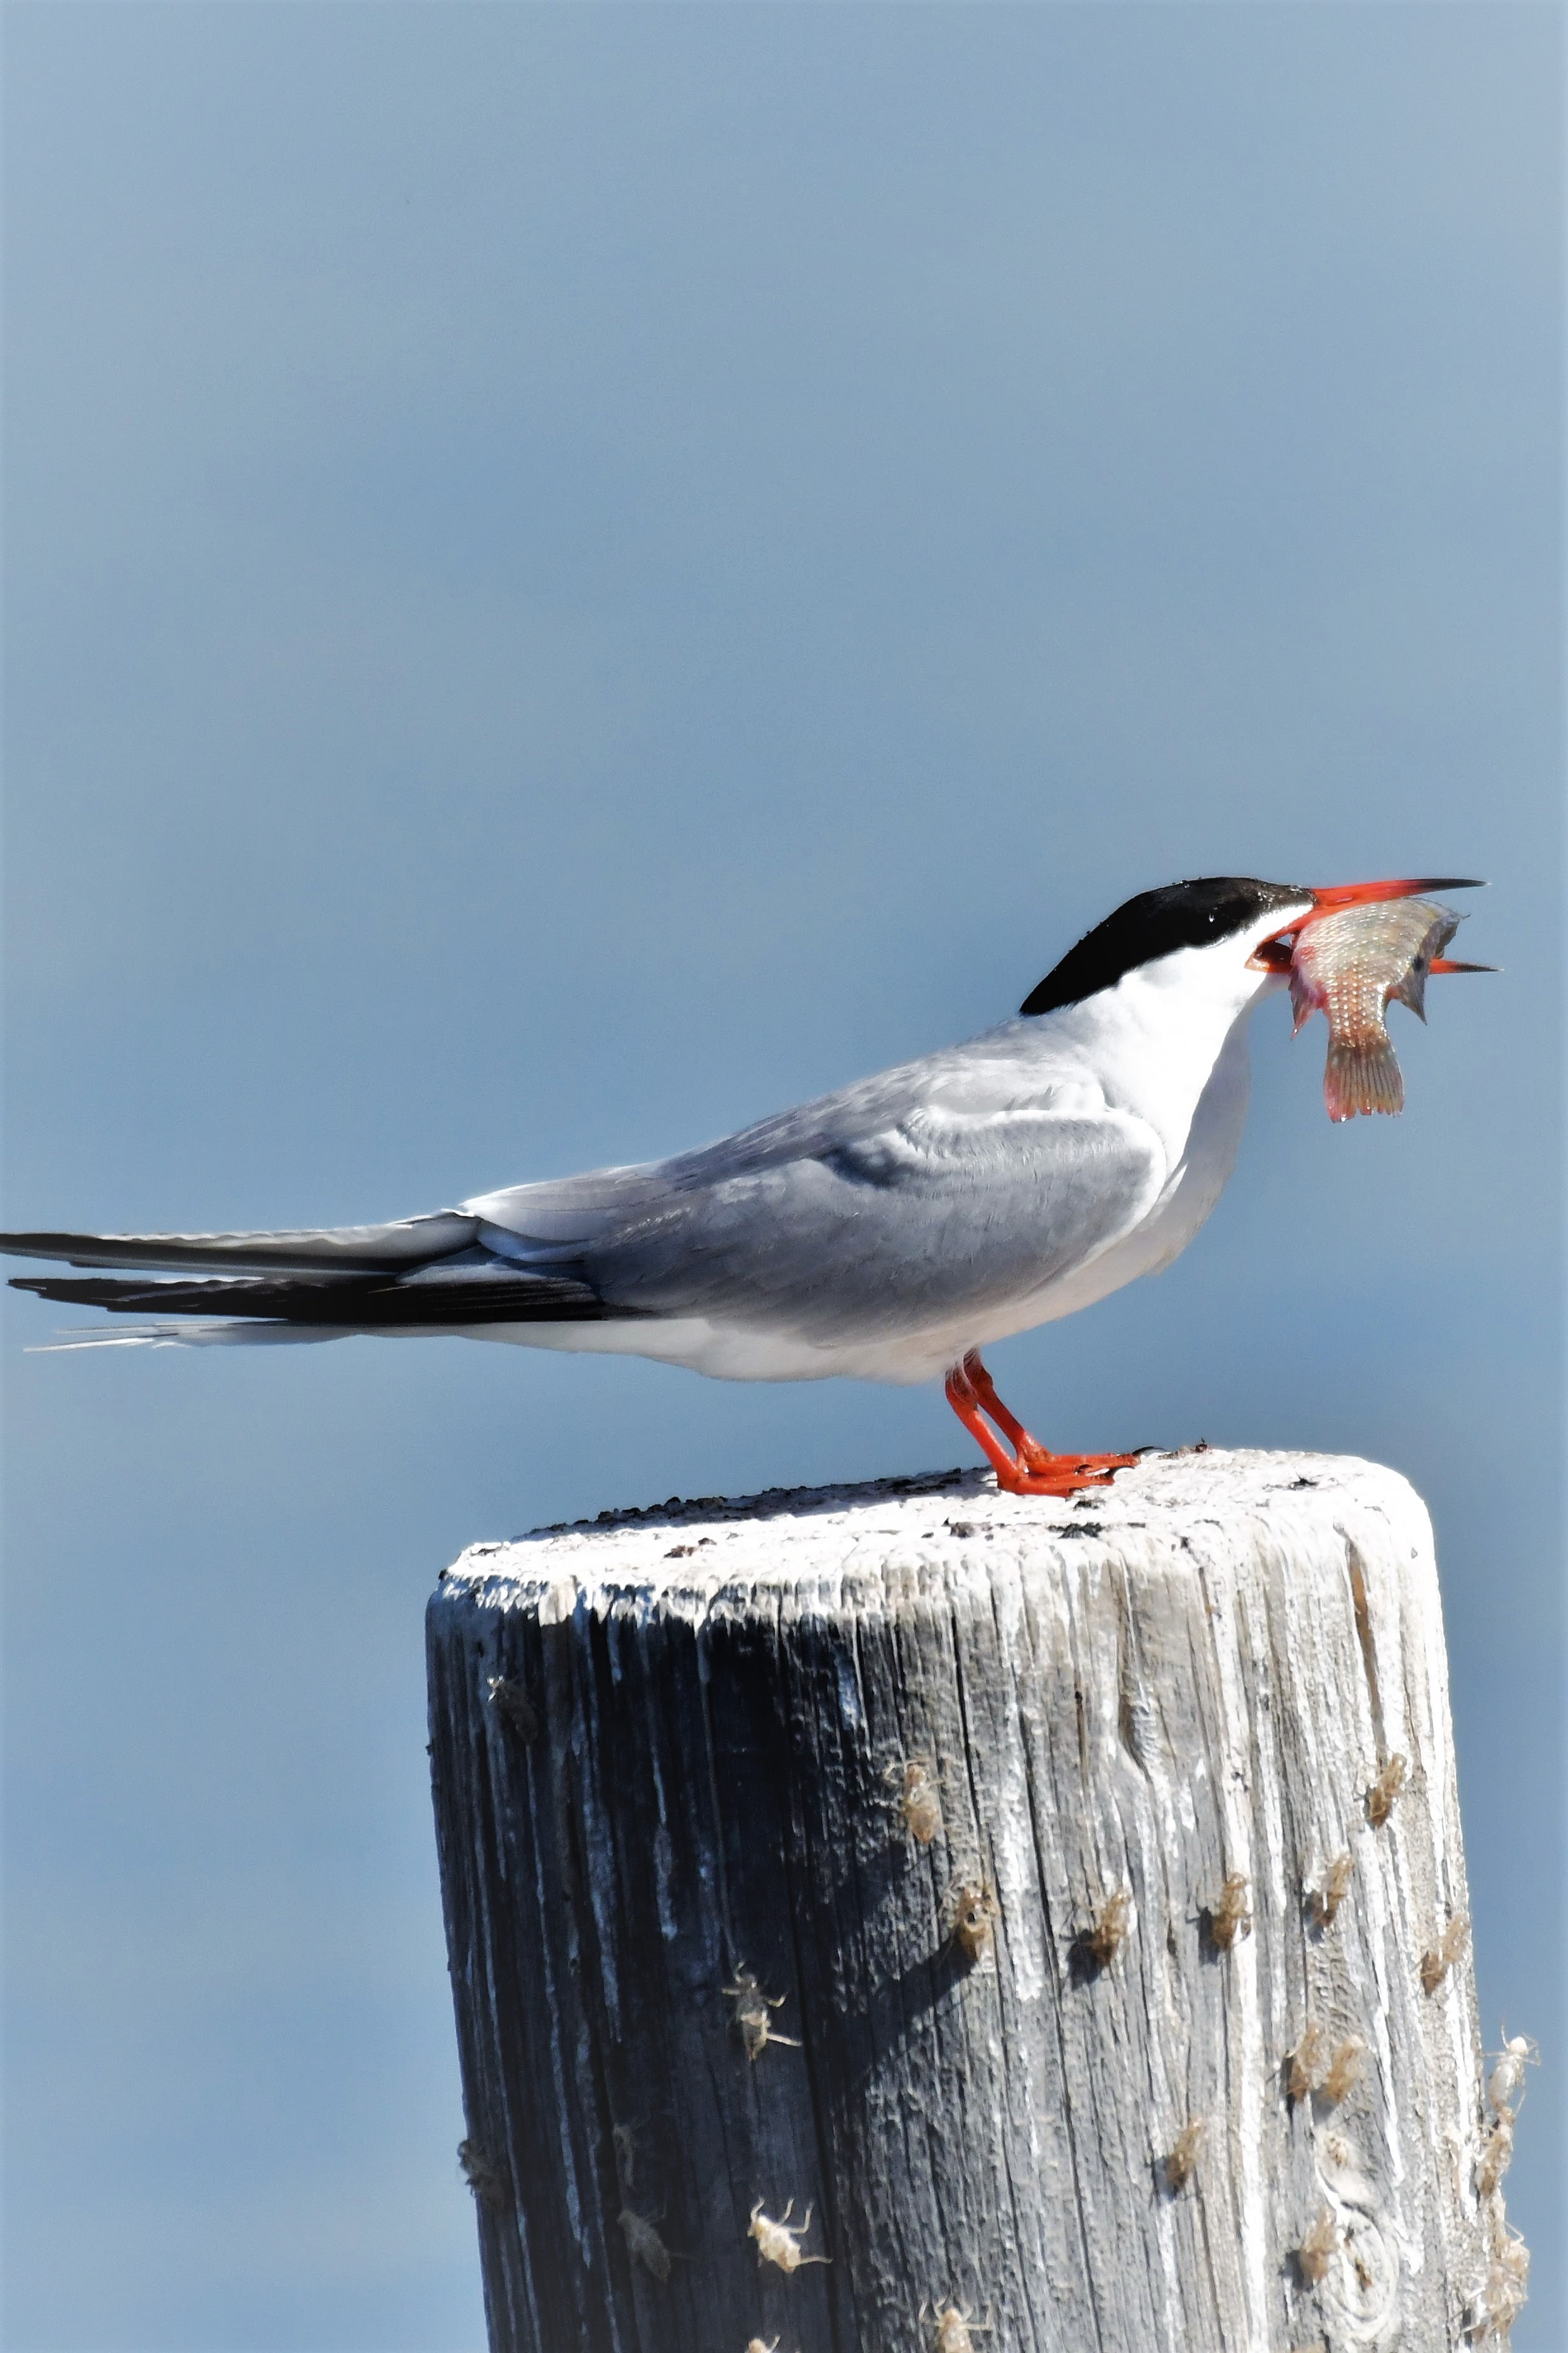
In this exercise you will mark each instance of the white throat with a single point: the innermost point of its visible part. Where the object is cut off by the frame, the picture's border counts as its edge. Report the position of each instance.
(1166, 1030)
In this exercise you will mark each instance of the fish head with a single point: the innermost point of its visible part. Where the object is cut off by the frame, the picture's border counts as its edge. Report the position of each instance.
(1430, 958)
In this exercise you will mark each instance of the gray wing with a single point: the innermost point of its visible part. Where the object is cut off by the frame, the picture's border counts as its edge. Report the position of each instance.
(968, 1179)
(971, 1176)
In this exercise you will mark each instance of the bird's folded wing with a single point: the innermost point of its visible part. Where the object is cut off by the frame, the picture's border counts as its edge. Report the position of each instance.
(1006, 1070)
(851, 1226)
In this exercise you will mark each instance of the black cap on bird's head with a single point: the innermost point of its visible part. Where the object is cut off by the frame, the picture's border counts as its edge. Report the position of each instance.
(1197, 915)
(1156, 924)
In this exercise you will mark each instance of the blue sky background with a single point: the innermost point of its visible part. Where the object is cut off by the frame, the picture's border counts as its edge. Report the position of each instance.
(578, 573)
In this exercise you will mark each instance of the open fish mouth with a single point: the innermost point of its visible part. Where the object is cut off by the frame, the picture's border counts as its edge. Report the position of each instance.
(1361, 946)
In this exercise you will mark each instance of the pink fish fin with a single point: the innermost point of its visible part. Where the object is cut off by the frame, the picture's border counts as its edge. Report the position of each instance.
(1364, 1077)
(1303, 1004)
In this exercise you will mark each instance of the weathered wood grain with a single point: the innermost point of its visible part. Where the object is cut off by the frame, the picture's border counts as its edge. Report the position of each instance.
(670, 1747)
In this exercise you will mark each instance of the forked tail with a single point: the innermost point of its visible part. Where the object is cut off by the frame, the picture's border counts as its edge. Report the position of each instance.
(420, 1274)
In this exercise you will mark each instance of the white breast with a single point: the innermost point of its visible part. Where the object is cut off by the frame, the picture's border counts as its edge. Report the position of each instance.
(1206, 1157)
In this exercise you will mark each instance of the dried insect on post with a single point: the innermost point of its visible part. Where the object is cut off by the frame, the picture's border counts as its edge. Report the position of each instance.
(919, 1809)
(1323, 1902)
(1179, 2164)
(483, 2177)
(1494, 2309)
(1448, 1949)
(1502, 2295)
(515, 1709)
(750, 2013)
(1230, 1917)
(1113, 1925)
(1497, 2154)
(1305, 2066)
(756, 2345)
(645, 2244)
(1344, 2071)
(975, 1913)
(1381, 1795)
(1512, 2257)
(1505, 2084)
(1318, 2243)
(1508, 2283)
(777, 2243)
(955, 2326)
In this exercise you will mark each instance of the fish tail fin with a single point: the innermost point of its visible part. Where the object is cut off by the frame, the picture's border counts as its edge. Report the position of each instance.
(1363, 1078)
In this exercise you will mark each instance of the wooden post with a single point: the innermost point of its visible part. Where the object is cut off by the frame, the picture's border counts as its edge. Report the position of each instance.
(1101, 1857)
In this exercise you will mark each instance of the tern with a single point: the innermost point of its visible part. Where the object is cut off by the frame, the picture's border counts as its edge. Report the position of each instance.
(888, 1232)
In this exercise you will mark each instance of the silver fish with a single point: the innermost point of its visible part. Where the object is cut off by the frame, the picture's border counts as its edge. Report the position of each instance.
(1349, 966)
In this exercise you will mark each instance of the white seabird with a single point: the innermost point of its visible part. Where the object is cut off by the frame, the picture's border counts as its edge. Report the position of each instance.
(886, 1232)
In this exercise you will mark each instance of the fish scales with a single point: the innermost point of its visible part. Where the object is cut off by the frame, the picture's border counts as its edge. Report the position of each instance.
(1348, 965)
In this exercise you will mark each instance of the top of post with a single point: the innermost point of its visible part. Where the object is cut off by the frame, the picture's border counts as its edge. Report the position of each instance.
(692, 1547)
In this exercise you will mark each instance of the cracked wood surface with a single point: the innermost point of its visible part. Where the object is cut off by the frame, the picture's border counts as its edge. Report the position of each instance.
(671, 1746)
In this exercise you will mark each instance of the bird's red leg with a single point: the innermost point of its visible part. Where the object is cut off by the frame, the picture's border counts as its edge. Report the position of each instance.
(1030, 1470)
(962, 1396)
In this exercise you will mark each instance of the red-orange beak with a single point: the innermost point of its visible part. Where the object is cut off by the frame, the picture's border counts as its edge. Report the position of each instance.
(1359, 894)
(1273, 954)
